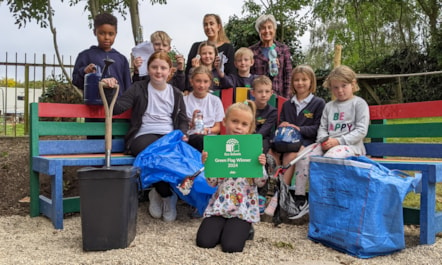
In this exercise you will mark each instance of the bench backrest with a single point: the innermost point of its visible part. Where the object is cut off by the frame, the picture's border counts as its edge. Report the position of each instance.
(53, 127)
(406, 130)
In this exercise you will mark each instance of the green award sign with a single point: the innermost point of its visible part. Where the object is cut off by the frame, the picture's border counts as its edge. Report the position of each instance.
(232, 156)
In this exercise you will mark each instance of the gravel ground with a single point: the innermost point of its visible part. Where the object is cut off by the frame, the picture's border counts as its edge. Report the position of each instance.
(26, 240)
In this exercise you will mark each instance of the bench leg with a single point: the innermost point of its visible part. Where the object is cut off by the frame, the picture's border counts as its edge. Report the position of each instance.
(428, 209)
(57, 198)
(53, 207)
(34, 190)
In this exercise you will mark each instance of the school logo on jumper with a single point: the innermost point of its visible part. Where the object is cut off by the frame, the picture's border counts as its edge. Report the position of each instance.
(307, 114)
(232, 146)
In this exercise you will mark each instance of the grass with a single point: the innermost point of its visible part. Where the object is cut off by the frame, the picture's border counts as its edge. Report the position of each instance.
(412, 200)
(11, 129)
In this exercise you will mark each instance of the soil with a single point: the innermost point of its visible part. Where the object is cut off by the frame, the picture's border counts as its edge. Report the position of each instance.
(14, 173)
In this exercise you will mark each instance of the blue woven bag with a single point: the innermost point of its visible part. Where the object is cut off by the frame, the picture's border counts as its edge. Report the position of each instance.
(356, 205)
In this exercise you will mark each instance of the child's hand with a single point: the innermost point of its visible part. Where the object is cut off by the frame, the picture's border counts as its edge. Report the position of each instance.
(179, 62)
(91, 68)
(286, 124)
(196, 61)
(217, 63)
(262, 159)
(330, 143)
(138, 62)
(204, 156)
(110, 82)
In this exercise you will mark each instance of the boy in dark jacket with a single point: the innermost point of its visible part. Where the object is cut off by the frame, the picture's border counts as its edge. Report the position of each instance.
(88, 61)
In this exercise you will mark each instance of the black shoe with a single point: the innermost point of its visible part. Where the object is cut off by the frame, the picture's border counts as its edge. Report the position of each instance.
(251, 233)
(143, 195)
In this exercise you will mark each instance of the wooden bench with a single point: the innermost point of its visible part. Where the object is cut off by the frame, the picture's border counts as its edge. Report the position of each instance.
(49, 154)
(393, 142)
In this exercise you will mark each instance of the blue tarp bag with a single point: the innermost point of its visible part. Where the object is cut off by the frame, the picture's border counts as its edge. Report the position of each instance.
(356, 205)
(170, 159)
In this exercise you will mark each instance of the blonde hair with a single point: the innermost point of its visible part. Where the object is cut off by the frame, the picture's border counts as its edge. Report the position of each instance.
(243, 52)
(201, 70)
(160, 55)
(162, 36)
(344, 74)
(306, 70)
(248, 106)
(261, 80)
(222, 37)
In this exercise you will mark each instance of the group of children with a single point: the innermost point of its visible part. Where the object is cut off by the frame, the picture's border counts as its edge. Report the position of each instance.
(159, 107)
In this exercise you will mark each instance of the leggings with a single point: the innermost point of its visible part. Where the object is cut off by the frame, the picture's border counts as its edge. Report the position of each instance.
(138, 145)
(302, 167)
(231, 233)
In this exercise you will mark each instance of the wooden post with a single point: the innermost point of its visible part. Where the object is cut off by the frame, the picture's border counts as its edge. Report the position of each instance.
(337, 57)
(337, 60)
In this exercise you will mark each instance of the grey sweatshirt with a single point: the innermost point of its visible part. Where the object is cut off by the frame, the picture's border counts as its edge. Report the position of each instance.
(347, 121)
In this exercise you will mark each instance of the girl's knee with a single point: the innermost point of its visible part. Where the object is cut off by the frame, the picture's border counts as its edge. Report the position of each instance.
(205, 242)
(233, 246)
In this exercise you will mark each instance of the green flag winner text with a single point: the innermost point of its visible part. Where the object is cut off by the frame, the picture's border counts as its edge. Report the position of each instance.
(233, 156)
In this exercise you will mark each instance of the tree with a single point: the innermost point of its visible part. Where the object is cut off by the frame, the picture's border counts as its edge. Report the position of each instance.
(370, 29)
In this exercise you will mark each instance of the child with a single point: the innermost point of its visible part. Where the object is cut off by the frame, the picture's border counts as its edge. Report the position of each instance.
(243, 63)
(162, 42)
(105, 29)
(228, 219)
(266, 115)
(302, 112)
(200, 100)
(157, 109)
(345, 121)
(207, 55)
(266, 119)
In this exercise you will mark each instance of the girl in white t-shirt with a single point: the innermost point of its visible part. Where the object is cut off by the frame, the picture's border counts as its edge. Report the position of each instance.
(201, 101)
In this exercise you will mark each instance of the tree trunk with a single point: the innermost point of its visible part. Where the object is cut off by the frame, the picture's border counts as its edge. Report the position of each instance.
(94, 7)
(137, 30)
(54, 37)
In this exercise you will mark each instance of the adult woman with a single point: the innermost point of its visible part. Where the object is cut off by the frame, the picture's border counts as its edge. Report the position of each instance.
(265, 25)
(213, 28)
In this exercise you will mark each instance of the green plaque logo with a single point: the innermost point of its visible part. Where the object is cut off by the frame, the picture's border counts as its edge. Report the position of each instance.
(233, 156)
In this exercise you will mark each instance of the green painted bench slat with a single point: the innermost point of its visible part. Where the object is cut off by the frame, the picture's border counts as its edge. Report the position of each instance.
(80, 128)
(405, 130)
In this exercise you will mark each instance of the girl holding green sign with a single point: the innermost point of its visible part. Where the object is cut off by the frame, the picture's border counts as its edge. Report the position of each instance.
(233, 208)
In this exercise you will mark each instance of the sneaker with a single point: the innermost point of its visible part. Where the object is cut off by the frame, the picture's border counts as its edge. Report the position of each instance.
(303, 207)
(262, 203)
(169, 207)
(270, 210)
(155, 204)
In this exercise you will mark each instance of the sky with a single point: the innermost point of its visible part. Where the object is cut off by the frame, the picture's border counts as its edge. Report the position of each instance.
(182, 20)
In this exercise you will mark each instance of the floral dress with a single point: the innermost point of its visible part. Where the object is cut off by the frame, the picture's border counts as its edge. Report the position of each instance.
(236, 197)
